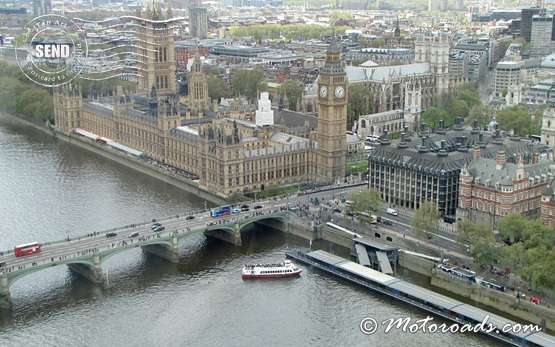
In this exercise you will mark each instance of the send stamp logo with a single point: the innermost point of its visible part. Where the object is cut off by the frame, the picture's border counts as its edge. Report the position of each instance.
(51, 50)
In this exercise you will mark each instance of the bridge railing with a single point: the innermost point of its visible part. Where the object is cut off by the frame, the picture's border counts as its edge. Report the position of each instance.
(83, 236)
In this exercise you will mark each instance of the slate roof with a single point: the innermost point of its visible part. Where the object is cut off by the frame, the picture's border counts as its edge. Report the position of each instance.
(355, 74)
(384, 72)
(421, 160)
(485, 170)
(293, 119)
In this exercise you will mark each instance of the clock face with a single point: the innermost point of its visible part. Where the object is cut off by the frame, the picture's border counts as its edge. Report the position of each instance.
(323, 91)
(339, 92)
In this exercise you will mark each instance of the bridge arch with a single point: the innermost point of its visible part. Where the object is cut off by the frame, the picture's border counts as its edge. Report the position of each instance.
(279, 217)
(15, 276)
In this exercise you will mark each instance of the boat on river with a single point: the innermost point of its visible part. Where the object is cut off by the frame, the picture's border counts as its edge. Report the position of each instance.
(271, 270)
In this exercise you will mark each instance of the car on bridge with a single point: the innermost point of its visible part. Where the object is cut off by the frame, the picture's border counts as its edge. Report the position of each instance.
(160, 228)
(257, 207)
(386, 222)
(190, 217)
(112, 234)
(135, 234)
(155, 225)
(236, 210)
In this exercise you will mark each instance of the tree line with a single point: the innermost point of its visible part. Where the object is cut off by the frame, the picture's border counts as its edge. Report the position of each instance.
(448, 108)
(284, 32)
(20, 95)
(527, 247)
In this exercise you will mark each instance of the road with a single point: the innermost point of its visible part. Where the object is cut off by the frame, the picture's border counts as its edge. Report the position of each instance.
(99, 241)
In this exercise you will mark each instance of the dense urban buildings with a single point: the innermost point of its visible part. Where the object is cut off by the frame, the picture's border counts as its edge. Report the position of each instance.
(428, 167)
(229, 155)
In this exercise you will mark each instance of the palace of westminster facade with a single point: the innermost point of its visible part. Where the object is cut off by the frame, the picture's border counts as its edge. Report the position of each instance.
(229, 155)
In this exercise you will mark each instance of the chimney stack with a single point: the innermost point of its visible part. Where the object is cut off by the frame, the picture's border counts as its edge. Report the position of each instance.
(441, 124)
(500, 160)
(475, 124)
(403, 137)
(476, 152)
(535, 158)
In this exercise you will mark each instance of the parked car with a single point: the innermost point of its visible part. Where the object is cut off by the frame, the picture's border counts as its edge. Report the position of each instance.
(190, 217)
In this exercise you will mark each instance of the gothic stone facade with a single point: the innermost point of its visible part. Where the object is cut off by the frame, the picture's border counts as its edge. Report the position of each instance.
(228, 155)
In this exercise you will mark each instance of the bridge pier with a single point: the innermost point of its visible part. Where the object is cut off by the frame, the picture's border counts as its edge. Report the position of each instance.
(5, 298)
(92, 273)
(170, 253)
(237, 235)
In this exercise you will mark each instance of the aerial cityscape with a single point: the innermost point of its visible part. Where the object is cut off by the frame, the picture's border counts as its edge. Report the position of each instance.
(277, 172)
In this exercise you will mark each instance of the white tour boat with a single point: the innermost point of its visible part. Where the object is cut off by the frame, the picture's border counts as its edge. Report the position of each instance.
(285, 269)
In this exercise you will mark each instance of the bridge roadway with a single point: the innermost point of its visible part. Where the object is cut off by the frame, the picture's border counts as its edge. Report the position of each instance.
(85, 254)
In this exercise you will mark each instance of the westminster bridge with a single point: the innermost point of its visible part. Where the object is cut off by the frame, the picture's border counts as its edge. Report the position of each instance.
(86, 254)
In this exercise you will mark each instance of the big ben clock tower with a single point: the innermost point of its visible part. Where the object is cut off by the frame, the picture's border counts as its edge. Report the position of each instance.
(332, 117)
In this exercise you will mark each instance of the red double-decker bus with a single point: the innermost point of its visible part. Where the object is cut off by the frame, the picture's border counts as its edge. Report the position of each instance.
(26, 249)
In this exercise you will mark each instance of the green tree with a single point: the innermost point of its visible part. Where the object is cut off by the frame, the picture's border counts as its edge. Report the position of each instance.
(442, 100)
(525, 44)
(456, 109)
(359, 61)
(510, 227)
(547, 278)
(362, 42)
(360, 102)
(483, 114)
(433, 115)
(471, 97)
(426, 220)
(377, 42)
(515, 117)
(395, 62)
(485, 252)
(479, 241)
(535, 234)
(536, 126)
(514, 256)
(366, 200)
(294, 92)
(248, 82)
(216, 87)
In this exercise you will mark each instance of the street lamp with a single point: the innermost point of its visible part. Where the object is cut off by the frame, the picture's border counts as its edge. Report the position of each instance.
(205, 205)
(68, 235)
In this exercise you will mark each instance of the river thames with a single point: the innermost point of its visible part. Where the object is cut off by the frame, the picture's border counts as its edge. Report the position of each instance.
(50, 189)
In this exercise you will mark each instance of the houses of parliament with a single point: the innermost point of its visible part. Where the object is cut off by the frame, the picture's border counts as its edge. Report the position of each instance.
(230, 155)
